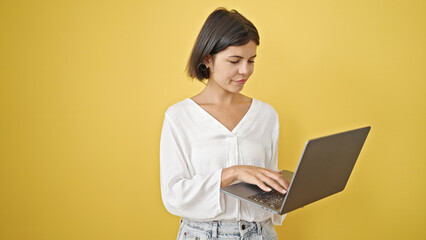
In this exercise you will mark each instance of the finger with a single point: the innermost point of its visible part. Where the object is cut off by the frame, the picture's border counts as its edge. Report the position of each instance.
(262, 185)
(281, 180)
(287, 184)
(278, 177)
(272, 183)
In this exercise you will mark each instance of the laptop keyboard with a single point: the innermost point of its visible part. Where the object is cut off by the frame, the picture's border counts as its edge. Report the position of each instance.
(272, 199)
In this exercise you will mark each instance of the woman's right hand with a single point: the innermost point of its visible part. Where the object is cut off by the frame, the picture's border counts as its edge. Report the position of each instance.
(262, 177)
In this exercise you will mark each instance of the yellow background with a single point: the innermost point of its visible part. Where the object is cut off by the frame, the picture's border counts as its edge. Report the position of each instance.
(84, 86)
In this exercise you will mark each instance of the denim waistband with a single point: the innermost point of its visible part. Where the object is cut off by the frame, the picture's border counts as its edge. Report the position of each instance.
(240, 228)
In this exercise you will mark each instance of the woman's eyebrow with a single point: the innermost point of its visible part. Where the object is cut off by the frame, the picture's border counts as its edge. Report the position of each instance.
(241, 56)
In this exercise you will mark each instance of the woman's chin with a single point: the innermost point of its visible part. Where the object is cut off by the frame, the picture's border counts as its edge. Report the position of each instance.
(235, 90)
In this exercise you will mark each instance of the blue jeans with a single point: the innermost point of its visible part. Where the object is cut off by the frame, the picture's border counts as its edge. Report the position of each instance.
(196, 230)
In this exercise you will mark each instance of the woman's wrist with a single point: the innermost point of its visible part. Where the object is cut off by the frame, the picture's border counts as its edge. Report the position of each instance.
(229, 175)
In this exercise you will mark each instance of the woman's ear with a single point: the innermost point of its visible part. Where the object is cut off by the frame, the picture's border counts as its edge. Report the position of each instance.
(208, 61)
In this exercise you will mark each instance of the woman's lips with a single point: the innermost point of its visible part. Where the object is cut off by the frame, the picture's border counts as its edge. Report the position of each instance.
(242, 81)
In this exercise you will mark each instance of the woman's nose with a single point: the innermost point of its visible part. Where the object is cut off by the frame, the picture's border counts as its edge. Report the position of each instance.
(244, 69)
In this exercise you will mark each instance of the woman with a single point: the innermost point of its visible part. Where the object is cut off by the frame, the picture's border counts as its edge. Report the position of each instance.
(220, 136)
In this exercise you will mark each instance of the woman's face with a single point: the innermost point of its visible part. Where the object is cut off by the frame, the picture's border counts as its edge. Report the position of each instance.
(232, 67)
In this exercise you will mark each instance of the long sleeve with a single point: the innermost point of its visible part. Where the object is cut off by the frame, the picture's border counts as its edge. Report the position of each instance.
(276, 219)
(184, 192)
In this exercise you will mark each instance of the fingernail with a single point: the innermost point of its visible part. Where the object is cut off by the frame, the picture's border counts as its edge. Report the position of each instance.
(284, 191)
(268, 189)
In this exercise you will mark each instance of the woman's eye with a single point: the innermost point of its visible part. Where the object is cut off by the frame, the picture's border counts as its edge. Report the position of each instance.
(235, 62)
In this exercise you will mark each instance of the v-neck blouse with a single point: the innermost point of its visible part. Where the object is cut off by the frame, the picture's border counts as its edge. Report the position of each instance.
(195, 147)
(219, 124)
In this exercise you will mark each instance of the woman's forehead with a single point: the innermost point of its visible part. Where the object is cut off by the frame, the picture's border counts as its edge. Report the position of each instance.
(247, 50)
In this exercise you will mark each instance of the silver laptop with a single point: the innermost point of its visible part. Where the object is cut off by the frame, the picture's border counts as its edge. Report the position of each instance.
(323, 170)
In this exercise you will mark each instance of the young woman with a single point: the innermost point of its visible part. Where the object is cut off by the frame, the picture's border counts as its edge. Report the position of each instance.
(220, 136)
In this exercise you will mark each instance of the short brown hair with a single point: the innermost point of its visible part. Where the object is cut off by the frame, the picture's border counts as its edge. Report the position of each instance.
(222, 29)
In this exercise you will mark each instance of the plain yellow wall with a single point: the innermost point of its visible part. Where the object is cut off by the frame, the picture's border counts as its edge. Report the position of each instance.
(84, 86)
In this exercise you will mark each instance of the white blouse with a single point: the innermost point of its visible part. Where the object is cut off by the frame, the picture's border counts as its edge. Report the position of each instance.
(194, 149)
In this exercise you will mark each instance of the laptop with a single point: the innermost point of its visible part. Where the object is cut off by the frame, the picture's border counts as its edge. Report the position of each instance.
(323, 170)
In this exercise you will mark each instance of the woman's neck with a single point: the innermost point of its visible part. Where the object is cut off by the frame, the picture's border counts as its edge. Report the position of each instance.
(214, 94)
